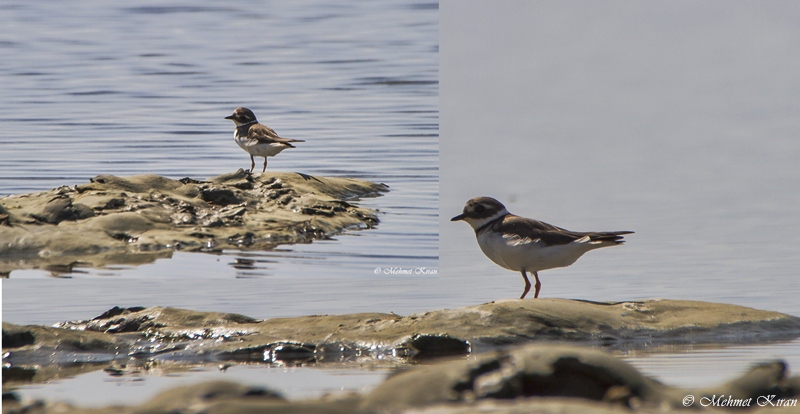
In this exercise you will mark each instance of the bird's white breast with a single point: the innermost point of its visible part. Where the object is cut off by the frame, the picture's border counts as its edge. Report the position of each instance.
(257, 148)
(517, 253)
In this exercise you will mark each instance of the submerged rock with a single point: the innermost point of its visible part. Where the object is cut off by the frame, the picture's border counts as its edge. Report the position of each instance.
(134, 220)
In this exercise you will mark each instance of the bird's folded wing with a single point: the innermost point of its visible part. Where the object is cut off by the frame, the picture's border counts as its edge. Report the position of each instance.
(519, 230)
(264, 133)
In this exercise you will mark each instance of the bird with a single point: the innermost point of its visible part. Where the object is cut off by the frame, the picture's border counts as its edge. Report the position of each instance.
(257, 139)
(527, 245)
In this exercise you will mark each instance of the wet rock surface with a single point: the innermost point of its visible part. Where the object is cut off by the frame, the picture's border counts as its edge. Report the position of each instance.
(626, 325)
(140, 336)
(138, 219)
(534, 378)
(536, 372)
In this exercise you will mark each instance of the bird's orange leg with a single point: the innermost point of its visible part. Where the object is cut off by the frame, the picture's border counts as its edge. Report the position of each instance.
(538, 285)
(528, 284)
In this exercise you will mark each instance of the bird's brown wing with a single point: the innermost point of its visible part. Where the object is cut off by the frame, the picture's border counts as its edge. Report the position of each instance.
(520, 230)
(264, 133)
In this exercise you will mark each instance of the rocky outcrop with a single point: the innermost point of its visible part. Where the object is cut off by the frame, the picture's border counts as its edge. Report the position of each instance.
(134, 220)
(633, 324)
(132, 335)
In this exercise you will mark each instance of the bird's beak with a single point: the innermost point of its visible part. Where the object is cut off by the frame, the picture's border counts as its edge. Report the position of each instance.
(229, 117)
(457, 218)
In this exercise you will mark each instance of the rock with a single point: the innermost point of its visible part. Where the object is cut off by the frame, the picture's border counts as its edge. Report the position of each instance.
(214, 397)
(138, 219)
(534, 371)
(61, 209)
(183, 335)
(171, 323)
(533, 374)
(51, 353)
(763, 385)
(548, 405)
(16, 338)
(624, 325)
(203, 396)
(45, 339)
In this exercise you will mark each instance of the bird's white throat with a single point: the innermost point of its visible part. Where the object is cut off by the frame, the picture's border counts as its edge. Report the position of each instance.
(477, 223)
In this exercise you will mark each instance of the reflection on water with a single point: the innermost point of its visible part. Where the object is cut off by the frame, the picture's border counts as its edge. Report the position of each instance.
(134, 388)
(134, 88)
(695, 366)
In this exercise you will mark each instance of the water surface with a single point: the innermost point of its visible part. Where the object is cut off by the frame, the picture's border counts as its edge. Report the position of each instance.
(675, 119)
(138, 87)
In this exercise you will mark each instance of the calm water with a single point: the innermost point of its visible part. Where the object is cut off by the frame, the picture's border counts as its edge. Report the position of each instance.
(138, 87)
(294, 383)
(675, 119)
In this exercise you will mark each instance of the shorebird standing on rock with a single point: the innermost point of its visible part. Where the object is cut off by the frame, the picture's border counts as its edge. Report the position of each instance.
(257, 139)
(527, 245)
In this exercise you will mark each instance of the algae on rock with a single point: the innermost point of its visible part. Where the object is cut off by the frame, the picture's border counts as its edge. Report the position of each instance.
(134, 220)
(171, 334)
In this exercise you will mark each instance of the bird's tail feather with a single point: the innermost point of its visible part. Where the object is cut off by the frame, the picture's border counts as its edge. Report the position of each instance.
(610, 236)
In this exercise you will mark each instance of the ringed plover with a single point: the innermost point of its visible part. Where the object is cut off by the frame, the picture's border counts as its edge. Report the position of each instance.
(257, 139)
(526, 245)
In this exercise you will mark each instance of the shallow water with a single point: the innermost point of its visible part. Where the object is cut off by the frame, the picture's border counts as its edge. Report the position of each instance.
(291, 382)
(139, 88)
(698, 366)
(675, 120)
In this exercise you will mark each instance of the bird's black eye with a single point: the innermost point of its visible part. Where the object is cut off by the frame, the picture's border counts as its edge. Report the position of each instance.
(480, 208)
